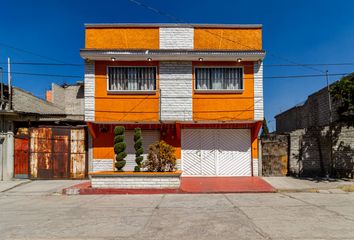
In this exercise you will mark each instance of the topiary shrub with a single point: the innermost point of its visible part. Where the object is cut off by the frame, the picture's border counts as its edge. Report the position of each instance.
(119, 147)
(139, 150)
(161, 158)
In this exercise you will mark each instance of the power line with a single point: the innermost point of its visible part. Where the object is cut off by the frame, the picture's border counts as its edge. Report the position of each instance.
(243, 64)
(46, 64)
(31, 53)
(162, 13)
(310, 64)
(44, 74)
(264, 77)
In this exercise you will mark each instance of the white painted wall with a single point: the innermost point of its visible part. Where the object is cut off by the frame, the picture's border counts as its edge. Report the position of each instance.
(176, 38)
(90, 91)
(258, 91)
(176, 91)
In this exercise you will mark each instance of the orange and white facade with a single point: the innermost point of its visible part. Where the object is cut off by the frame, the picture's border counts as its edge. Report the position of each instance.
(198, 87)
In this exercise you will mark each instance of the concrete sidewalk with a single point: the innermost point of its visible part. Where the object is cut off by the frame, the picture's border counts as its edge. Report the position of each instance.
(8, 185)
(291, 184)
(36, 187)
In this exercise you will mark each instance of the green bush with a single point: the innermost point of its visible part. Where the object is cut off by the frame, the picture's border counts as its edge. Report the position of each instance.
(119, 147)
(119, 130)
(118, 138)
(139, 150)
(161, 158)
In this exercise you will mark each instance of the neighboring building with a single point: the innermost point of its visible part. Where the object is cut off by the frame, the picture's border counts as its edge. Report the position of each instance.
(36, 135)
(70, 98)
(313, 112)
(198, 87)
(315, 148)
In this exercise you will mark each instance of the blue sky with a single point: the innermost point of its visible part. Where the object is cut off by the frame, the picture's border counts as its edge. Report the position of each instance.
(302, 31)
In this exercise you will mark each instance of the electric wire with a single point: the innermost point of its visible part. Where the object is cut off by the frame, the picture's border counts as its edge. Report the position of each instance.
(178, 20)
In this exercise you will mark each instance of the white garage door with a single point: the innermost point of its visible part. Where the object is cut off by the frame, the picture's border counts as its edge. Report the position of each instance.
(216, 152)
(149, 137)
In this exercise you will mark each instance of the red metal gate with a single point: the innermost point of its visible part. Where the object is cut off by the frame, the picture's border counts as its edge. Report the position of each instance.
(21, 155)
(57, 153)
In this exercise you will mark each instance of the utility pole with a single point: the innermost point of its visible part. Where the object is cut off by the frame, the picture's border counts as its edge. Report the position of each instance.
(330, 162)
(9, 83)
(329, 99)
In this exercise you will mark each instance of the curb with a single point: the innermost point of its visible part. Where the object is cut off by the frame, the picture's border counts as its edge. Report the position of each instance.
(338, 190)
(20, 184)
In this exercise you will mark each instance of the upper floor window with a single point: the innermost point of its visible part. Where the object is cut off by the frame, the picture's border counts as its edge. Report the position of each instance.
(131, 78)
(219, 78)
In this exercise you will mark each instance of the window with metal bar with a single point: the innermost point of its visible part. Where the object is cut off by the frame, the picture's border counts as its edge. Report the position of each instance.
(131, 78)
(222, 78)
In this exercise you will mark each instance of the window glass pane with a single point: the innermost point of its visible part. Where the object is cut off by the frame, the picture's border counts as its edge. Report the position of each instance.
(227, 78)
(131, 78)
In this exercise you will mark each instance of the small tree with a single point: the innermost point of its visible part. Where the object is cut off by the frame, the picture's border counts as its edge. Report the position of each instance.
(265, 129)
(139, 150)
(119, 147)
(343, 91)
(161, 158)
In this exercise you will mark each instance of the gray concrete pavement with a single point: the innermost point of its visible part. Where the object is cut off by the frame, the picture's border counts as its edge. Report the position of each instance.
(37, 187)
(178, 216)
(7, 185)
(291, 184)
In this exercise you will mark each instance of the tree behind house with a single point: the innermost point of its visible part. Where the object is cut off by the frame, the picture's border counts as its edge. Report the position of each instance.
(265, 129)
(343, 91)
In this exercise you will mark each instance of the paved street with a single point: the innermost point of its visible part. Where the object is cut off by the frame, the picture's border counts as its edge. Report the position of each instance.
(180, 216)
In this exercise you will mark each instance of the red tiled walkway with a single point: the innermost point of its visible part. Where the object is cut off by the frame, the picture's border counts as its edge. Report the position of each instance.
(189, 185)
(225, 185)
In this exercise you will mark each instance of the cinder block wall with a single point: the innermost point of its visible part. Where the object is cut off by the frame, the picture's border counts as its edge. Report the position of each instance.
(314, 112)
(319, 150)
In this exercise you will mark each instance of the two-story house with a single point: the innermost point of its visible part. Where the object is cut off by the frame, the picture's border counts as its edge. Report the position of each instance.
(197, 86)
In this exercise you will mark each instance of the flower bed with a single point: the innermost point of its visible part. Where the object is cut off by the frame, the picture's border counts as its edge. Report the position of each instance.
(136, 180)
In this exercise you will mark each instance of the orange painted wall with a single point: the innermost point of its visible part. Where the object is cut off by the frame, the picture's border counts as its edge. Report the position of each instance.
(225, 106)
(103, 146)
(48, 95)
(228, 39)
(122, 38)
(123, 107)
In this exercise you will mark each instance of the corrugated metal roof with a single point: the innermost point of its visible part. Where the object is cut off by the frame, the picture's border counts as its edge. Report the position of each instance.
(166, 55)
(181, 25)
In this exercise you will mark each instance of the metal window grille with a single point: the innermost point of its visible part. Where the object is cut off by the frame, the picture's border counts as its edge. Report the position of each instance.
(131, 78)
(219, 78)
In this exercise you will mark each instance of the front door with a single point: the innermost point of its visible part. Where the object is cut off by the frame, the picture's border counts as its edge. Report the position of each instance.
(21, 157)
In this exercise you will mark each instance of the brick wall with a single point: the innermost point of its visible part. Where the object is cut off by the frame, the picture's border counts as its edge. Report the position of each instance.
(312, 149)
(176, 38)
(158, 182)
(70, 98)
(89, 91)
(176, 91)
(314, 112)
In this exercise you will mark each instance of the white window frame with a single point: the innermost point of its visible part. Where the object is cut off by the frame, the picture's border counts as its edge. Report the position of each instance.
(219, 90)
(130, 91)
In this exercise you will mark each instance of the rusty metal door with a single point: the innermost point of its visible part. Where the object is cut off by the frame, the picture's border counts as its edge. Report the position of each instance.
(77, 153)
(41, 153)
(60, 150)
(57, 153)
(21, 154)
